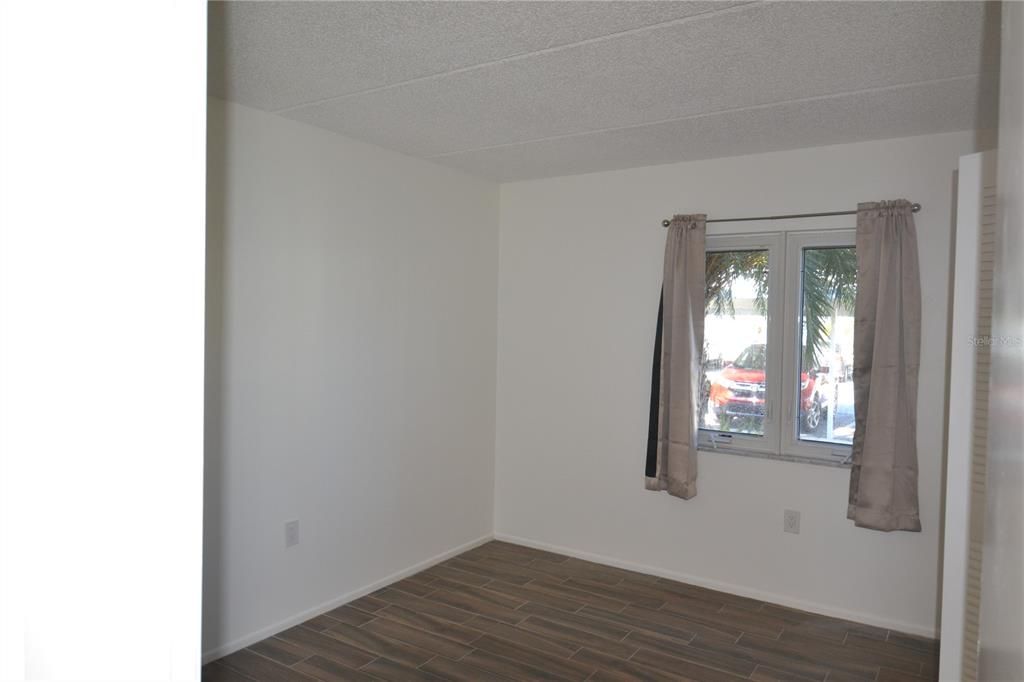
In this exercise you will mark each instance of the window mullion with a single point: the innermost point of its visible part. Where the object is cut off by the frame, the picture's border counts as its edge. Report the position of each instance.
(776, 340)
(791, 326)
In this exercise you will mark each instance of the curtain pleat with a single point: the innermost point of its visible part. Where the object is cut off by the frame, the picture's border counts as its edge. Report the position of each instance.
(887, 343)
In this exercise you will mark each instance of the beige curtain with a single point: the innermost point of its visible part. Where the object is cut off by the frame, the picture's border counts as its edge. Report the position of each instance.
(886, 347)
(682, 338)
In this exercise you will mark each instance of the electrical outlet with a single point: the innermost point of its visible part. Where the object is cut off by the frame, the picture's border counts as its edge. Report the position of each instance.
(791, 521)
(291, 533)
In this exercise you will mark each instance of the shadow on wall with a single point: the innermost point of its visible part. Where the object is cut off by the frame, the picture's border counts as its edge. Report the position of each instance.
(986, 133)
(213, 389)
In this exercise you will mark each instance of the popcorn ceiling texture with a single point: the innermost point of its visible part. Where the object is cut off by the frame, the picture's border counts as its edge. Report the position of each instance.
(517, 90)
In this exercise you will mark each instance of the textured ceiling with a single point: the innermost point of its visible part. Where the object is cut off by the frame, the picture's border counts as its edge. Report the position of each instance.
(515, 90)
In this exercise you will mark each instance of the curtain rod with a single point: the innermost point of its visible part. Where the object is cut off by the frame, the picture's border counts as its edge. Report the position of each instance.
(665, 223)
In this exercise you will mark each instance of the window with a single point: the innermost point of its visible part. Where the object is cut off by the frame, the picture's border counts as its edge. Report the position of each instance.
(735, 341)
(778, 333)
(828, 286)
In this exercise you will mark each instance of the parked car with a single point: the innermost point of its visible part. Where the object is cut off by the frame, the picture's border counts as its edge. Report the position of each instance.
(737, 392)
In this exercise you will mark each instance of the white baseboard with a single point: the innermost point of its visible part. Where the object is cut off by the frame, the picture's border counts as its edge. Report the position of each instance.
(780, 599)
(263, 633)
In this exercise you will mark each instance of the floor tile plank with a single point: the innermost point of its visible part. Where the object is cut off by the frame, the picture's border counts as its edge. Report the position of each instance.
(890, 675)
(711, 659)
(491, 551)
(764, 673)
(671, 664)
(889, 649)
(626, 593)
(579, 621)
(507, 667)
(380, 645)
(517, 635)
(562, 668)
(516, 574)
(822, 655)
(615, 669)
(347, 614)
(323, 622)
(529, 593)
(428, 641)
(784, 662)
(218, 672)
(544, 588)
(279, 650)
(460, 671)
(422, 605)
(261, 668)
(732, 618)
(562, 631)
(854, 652)
(566, 570)
(929, 646)
(368, 603)
(318, 643)
(455, 575)
(330, 671)
(437, 626)
(489, 604)
(711, 631)
(385, 669)
(413, 587)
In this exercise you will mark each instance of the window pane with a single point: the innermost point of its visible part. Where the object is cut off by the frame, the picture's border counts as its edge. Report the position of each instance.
(735, 341)
(828, 285)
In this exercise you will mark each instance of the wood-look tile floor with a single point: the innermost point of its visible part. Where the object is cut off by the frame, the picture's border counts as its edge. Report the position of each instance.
(502, 611)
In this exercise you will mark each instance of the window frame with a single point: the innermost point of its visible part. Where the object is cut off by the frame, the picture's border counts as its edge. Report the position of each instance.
(791, 444)
(768, 442)
(780, 439)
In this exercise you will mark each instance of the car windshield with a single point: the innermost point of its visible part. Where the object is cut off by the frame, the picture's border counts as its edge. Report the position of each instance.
(751, 358)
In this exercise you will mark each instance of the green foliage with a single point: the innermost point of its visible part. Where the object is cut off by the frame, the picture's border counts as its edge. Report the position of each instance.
(829, 286)
(722, 268)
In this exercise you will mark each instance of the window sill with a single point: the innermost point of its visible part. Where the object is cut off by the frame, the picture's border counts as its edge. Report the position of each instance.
(799, 459)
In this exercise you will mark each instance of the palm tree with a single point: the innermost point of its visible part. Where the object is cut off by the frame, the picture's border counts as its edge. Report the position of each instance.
(722, 268)
(829, 287)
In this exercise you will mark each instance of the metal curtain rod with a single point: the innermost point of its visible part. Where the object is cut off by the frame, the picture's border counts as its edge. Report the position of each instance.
(665, 223)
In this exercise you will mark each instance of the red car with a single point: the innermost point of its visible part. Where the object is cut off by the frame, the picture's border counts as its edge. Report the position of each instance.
(738, 391)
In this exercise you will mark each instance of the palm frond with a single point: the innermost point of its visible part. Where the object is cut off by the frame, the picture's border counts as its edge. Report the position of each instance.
(829, 285)
(723, 268)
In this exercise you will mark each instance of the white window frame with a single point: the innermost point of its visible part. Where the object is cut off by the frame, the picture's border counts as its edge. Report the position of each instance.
(781, 429)
(768, 443)
(791, 443)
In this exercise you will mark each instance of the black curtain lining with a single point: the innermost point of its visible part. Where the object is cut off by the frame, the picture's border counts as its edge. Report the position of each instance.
(651, 470)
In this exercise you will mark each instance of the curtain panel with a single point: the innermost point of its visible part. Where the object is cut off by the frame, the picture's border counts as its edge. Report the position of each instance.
(675, 389)
(887, 344)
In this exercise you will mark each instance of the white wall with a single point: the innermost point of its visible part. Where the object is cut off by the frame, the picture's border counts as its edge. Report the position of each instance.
(580, 271)
(1002, 609)
(351, 368)
(101, 339)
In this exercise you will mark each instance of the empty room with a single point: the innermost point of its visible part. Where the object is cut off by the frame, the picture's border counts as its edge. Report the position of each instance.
(578, 340)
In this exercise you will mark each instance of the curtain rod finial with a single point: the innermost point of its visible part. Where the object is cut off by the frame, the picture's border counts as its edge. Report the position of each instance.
(915, 208)
(666, 223)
